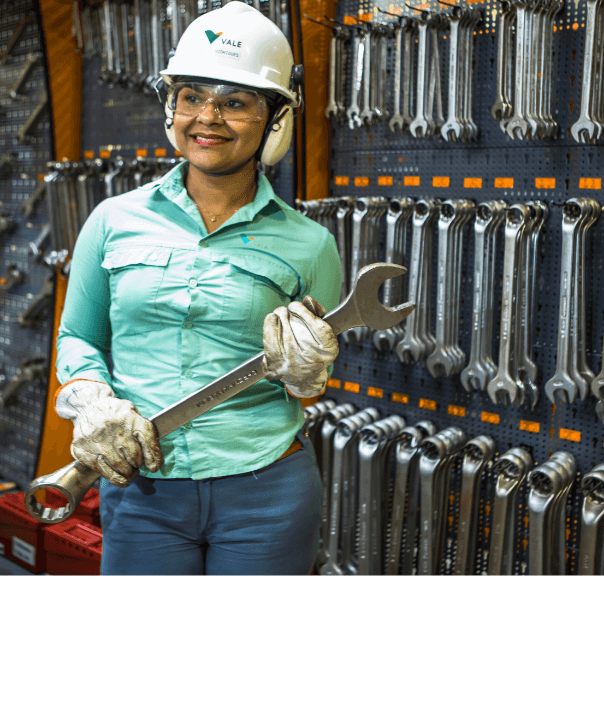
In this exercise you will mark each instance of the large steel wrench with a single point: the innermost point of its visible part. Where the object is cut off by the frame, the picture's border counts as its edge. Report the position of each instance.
(361, 307)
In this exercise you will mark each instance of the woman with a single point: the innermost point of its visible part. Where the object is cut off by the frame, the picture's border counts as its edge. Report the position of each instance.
(183, 280)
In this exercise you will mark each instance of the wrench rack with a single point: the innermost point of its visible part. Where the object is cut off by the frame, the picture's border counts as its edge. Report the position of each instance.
(21, 419)
(374, 161)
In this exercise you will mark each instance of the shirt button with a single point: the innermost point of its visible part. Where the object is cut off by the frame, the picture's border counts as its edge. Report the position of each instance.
(153, 256)
(188, 325)
(192, 283)
(188, 425)
(188, 373)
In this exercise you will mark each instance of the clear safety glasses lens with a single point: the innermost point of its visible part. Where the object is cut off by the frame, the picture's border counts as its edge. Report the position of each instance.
(228, 102)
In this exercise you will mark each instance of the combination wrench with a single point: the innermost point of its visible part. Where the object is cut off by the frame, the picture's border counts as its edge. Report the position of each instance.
(438, 454)
(511, 470)
(592, 523)
(374, 449)
(549, 486)
(478, 453)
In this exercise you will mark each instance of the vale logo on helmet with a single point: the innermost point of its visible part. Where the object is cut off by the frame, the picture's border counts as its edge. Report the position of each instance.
(213, 36)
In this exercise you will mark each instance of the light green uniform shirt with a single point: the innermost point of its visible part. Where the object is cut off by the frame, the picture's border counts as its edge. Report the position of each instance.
(178, 307)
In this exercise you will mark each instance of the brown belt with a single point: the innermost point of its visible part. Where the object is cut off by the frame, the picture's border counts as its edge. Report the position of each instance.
(296, 445)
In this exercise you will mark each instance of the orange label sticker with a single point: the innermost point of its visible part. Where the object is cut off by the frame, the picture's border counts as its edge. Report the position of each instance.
(142, 153)
(341, 180)
(532, 426)
(594, 183)
(334, 383)
(105, 154)
(489, 417)
(352, 387)
(504, 182)
(545, 183)
(177, 152)
(456, 411)
(350, 20)
(401, 398)
(41, 177)
(441, 181)
(472, 183)
(160, 152)
(361, 180)
(375, 392)
(385, 180)
(570, 435)
(89, 155)
(427, 404)
(367, 17)
(411, 181)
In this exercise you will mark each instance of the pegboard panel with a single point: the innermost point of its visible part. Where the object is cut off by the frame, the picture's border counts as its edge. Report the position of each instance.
(21, 420)
(501, 168)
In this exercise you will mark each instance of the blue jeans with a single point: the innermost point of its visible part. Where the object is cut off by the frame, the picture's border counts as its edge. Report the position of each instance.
(263, 522)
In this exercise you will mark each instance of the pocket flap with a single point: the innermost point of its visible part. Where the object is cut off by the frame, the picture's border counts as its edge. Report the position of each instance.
(282, 276)
(137, 255)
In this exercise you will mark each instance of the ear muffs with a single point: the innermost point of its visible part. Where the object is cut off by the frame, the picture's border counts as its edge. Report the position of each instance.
(278, 138)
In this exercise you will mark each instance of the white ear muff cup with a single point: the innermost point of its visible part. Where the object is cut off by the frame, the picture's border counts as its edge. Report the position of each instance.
(278, 140)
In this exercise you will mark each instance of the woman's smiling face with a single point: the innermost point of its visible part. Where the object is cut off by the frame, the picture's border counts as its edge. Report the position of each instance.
(212, 143)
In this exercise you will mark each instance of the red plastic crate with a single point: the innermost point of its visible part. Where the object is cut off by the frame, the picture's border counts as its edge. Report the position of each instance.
(21, 535)
(88, 511)
(73, 548)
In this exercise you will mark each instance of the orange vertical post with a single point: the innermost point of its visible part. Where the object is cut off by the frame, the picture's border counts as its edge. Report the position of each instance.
(65, 90)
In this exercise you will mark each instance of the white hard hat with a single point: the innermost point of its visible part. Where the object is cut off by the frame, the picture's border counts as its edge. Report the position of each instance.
(237, 44)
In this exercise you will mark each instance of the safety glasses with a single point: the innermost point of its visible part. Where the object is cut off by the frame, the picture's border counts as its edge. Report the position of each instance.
(229, 102)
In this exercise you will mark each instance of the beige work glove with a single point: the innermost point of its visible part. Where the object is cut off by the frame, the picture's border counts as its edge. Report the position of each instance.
(109, 434)
(298, 347)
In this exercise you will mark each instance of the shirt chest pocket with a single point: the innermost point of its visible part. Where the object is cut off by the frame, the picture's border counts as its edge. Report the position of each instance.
(135, 276)
(252, 287)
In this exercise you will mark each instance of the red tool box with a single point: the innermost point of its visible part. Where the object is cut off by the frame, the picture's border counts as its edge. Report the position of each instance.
(21, 535)
(88, 510)
(73, 548)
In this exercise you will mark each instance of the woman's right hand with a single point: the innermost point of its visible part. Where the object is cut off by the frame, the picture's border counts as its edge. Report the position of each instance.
(109, 434)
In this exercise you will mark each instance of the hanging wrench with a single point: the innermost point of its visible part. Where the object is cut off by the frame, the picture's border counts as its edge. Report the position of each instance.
(437, 455)
(481, 368)
(344, 442)
(478, 453)
(511, 470)
(374, 442)
(592, 523)
(407, 455)
(332, 418)
(504, 387)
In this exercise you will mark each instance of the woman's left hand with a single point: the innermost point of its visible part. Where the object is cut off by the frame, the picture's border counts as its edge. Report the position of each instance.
(298, 347)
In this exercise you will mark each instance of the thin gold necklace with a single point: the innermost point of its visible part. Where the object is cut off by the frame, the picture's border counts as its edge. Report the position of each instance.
(216, 215)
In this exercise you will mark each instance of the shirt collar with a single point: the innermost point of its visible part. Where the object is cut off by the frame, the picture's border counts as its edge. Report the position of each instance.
(172, 187)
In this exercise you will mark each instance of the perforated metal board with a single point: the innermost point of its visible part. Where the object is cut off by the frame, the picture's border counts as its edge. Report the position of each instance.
(376, 151)
(21, 423)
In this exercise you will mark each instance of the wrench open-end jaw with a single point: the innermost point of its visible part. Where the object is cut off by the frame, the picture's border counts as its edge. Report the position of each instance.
(360, 308)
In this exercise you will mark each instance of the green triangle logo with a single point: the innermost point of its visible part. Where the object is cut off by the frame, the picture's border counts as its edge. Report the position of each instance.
(212, 36)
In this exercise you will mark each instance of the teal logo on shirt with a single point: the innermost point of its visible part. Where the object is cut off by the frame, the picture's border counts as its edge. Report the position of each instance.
(247, 239)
